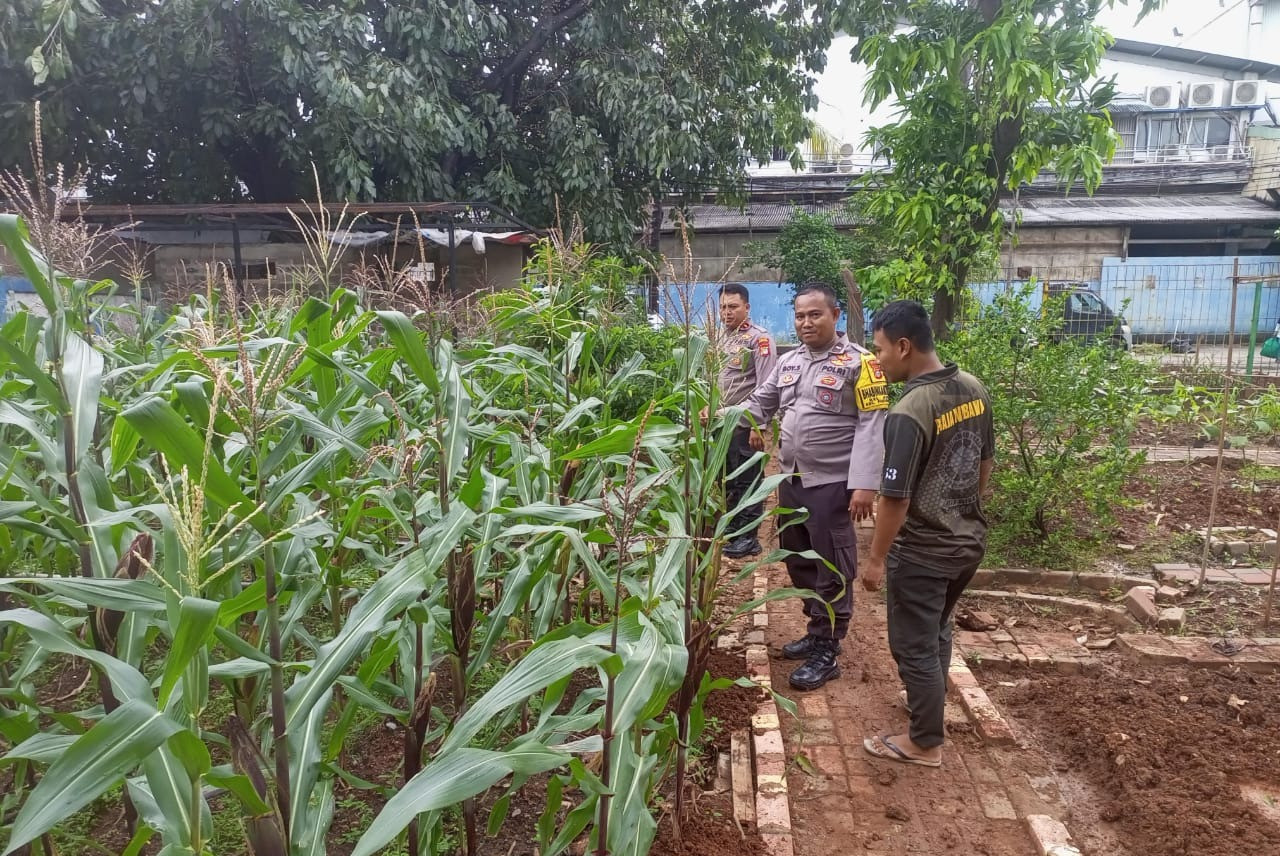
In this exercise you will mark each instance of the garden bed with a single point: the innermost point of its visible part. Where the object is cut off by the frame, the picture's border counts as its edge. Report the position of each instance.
(1166, 762)
(1216, 610)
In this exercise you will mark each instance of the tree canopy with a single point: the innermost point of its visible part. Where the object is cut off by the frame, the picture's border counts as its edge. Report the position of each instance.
(603, 104)
(992, 92)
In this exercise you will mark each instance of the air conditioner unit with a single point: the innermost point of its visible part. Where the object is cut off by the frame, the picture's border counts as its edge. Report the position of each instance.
(1204, 95)
(844, 165)
(1167, 96)
(846, 150)
(1248, 93)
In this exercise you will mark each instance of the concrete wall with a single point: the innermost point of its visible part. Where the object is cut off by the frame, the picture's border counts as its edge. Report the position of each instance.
(1058, 252)
(718, 256)
(178, 271)
(1062, 252)
(1266, 163)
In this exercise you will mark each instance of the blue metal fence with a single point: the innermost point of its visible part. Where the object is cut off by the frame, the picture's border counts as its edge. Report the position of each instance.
(12, 285)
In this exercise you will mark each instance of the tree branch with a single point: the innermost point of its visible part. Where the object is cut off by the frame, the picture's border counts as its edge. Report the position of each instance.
(542, 33)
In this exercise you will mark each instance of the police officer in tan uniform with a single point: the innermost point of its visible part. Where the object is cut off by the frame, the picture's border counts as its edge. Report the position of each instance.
(832, 398)
(748, 356)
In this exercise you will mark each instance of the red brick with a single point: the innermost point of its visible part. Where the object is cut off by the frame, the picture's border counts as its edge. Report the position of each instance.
(773, 813)
(970, 639)
(814, 705)
(990, 724)
(996, 805)
(828, 759)
(1050, 836)
(1150, 650)
(1199, 654)
(1037, 658)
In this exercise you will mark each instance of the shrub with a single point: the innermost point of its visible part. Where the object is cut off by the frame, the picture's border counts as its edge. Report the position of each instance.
(1064, 412)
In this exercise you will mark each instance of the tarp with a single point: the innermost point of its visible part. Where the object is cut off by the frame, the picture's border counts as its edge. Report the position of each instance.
(476, 239)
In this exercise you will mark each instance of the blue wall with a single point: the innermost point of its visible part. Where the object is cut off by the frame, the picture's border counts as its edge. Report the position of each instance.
(770, 306)
(10, 284)
(1189, 296)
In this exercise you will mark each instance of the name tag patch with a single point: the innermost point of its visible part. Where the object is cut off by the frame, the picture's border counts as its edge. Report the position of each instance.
(871, 389)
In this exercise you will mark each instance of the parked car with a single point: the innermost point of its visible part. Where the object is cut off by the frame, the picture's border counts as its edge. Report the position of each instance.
(1087, 316)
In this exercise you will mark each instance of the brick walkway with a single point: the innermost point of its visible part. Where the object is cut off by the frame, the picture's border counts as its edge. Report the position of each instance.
(1160, 454)
(844, 802)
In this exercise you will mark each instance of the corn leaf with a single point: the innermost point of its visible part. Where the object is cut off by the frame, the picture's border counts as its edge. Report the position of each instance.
(82, 384)
(197, 619)
(448, 780)
(98, 759)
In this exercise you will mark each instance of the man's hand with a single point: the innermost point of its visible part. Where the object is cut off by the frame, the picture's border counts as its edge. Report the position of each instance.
(871, 573)
(756, 440)
(860, 504)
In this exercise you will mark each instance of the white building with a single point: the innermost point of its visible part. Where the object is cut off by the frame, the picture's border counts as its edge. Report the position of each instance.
(1190, 96)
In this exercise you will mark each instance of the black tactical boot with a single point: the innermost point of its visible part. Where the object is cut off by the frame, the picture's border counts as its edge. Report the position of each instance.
(742, 547)
(802, 648)
(819, 668)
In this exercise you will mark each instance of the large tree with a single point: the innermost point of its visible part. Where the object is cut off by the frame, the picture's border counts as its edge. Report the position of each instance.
(991, 93)
(604, 104)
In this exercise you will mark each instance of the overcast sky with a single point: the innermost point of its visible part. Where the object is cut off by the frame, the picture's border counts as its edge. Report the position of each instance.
(1216, 26)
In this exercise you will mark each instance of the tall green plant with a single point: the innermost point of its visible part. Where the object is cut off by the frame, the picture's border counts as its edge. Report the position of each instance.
(991, 92)
(1064, 414)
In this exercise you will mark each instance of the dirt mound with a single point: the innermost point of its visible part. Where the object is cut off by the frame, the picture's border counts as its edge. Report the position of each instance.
(1181, 757)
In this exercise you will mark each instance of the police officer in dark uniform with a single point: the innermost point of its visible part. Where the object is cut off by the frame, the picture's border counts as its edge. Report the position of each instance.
(747, 355)
(832, 397)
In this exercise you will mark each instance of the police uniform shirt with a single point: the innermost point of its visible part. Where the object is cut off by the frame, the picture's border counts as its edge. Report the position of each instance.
(749, 358)
(832, 404)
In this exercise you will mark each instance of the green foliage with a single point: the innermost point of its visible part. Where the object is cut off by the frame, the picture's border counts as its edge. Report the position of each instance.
(991, 92)
(273, 529)
(1252, 414)
(604, 105)
(1064, 412)
(809, 247)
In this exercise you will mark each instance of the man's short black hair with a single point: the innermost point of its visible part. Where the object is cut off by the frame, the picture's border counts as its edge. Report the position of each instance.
(737, 289)
(905, 319)
(815, 286)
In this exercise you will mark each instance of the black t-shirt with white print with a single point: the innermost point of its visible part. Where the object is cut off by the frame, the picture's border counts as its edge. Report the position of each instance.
(935, 439)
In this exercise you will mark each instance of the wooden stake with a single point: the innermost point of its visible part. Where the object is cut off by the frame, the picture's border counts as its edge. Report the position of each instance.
(1275, 569)
(1222, 424)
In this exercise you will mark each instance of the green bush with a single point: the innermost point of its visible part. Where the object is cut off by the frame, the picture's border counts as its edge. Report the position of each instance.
(1064, 413)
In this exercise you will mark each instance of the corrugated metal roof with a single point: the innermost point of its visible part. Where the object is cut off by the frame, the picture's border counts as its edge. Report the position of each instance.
(1239, 64)
(1215, 208)
(1119, 210)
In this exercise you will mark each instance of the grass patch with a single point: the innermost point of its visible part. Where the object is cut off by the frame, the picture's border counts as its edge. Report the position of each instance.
(1061, 551)
(1259, 474)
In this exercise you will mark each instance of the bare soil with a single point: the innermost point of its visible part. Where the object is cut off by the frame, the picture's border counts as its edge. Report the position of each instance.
(1184, 762)
(710, 831)
(1219, 609)
(1180, 492)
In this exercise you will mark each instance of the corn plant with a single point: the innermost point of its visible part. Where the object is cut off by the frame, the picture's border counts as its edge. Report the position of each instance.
(261, 531)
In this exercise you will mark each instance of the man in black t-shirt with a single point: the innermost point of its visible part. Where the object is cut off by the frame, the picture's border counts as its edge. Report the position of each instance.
(930, 530)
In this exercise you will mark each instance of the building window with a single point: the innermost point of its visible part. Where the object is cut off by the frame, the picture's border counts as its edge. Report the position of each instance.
(1209, 131)
(1156, 133)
